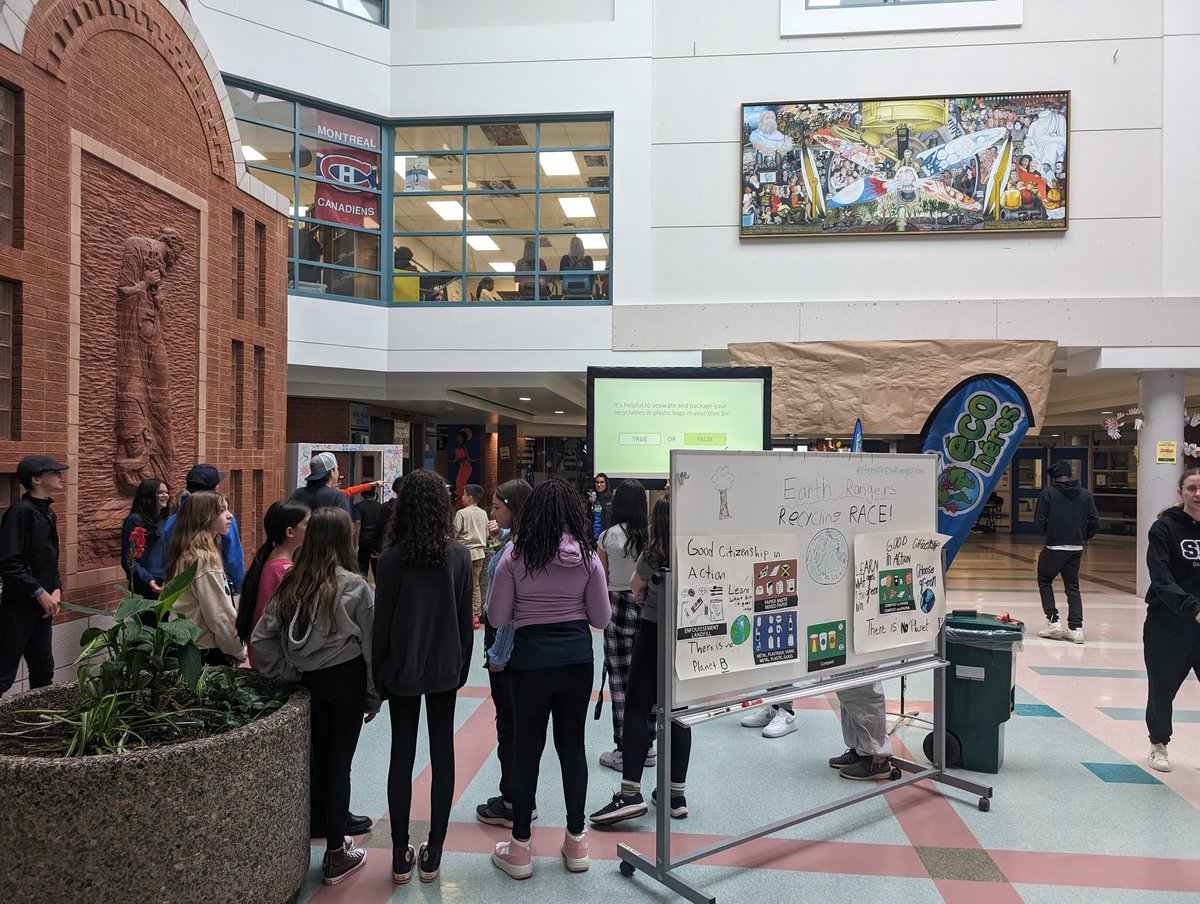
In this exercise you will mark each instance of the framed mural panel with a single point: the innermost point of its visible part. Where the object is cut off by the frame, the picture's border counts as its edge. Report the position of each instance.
(973, 163)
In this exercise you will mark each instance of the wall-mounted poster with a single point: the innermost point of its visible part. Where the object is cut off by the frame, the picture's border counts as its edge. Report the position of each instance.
(978, 163)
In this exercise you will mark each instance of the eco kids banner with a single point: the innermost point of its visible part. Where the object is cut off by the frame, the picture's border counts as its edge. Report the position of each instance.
(976, 429)
(899, 589)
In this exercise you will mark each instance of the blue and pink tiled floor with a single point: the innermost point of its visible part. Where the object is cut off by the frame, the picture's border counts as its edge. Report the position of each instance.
(1077, 816)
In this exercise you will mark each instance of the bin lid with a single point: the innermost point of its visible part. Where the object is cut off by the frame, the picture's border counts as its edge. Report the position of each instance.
(983, 621)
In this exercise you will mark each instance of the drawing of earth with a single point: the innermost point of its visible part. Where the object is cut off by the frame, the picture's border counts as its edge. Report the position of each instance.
(827, 556)
(739, 631)
(927, 600)
(957, 490)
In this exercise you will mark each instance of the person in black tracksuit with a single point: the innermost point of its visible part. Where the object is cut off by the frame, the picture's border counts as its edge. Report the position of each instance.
(1067, 513)
(29, 571)
(1171, 635)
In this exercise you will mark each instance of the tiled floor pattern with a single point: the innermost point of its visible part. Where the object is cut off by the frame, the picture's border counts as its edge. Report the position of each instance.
(1076, 817)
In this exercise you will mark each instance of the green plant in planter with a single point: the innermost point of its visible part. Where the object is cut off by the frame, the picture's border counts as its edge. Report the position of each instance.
(142, 683)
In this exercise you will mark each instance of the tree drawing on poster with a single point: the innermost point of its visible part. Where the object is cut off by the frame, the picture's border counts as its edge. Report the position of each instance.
(899, 589)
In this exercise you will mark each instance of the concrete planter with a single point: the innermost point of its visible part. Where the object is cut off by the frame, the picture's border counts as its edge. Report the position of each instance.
(219, 819)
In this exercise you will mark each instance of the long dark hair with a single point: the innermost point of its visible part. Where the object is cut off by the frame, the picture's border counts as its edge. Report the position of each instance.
(145, 504)
(279, 517)
(629, 511)
(514, 494)
(422, 524)
(310, 590)
(658, 551)
(553, 509)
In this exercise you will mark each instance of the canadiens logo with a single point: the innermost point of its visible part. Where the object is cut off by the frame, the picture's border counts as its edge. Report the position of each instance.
(350, 172)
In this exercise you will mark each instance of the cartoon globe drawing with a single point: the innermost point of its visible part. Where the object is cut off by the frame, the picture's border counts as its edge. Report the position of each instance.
(957, 490)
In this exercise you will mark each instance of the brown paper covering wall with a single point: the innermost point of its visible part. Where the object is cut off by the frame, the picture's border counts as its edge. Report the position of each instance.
(820, 388)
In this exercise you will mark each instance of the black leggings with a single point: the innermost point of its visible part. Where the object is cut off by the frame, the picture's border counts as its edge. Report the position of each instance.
(640, 699)
(562, 692)
(505, 727)
(338, 697)
(1171, 646)
(406, 717)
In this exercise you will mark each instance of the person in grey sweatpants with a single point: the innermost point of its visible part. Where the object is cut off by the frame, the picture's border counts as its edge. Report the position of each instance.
(864, 729)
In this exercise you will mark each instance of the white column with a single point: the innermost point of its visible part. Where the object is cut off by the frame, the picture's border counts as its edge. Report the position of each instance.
(1160, 395)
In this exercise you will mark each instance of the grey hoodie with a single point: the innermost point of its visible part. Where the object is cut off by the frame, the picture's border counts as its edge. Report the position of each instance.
(285, 652)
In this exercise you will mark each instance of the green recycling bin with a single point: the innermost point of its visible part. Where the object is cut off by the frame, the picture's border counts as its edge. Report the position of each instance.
(980, 689)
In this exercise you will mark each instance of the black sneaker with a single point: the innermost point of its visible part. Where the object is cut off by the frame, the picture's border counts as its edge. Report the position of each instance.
(621, 808)
(849, 758)
(355, 825)
(497, 813)
(429, 860)
(402, 864)
(343, 863)
(679, 808)
(868, 769)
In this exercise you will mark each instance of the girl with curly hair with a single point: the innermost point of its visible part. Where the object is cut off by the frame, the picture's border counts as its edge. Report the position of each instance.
(317, 627)
(423, 637)
(550, 586)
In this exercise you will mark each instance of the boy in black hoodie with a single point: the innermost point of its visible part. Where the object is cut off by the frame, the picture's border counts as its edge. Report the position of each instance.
(1171, 636)
(1067, 513)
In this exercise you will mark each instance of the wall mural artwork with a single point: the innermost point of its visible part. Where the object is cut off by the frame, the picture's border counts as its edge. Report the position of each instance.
(979, 163)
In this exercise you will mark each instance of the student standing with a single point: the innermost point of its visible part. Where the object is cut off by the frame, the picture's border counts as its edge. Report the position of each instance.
(140, 535)
(319, 625)
(366, 513)
(284, 524)
(1171, 635)
(423, 641)
(203, 478)
(32, 590)
(470, 527)
(550, 586)
(1067, 513)
(619, 547)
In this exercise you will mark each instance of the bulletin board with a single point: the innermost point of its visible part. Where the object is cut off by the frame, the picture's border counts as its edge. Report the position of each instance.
(792, 567)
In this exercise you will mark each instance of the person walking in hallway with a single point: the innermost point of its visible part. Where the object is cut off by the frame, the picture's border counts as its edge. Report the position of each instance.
(1067, 513)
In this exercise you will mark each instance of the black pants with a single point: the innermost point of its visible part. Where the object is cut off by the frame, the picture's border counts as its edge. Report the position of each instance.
(366, 561)
(1171, 646)
(561, 692)
(25, 633)
(1051, 563)
(406, 718)
(338, 695)
(502, 699)
(640, 700)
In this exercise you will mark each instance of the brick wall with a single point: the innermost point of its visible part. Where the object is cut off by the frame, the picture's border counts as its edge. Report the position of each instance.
(318, 420)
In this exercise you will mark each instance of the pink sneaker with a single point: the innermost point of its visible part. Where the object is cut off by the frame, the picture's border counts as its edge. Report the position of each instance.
(514, 858)
(575, 851)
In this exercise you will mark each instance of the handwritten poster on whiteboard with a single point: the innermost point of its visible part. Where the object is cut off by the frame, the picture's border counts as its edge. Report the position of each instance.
(899, 589)
(739, 603)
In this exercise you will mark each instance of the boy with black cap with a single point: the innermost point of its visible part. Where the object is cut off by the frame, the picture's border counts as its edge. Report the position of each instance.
(29, 569)
(1067, 513)
(204, 477)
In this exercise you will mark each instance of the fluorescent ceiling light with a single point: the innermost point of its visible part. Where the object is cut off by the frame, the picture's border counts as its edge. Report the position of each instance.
(524, 398)
(557, 411)
(482, 243)
(577, 207)
(558, 163)
(600, 265)
(447, 210)
(251, 153)
(593, 242)
(503, 266)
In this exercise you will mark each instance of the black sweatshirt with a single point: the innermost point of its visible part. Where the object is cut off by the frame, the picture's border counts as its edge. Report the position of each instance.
(1173, 559)
(424, 626)
(29, 549)
(1067, 513)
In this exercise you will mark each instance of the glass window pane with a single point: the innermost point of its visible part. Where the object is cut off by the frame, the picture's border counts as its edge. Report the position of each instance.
(558, 251)
(334, 204)
(337, 245)
(428, 253)
(574, 169)
(256, 105)
(428, 172)
(371, 10)
(339, 128)
(576, 210)
(576, 134)
(337, 282)
(417, 213)
(429, 138)
(283, 184)
(504, 251)
(267, 146)
(501, 135)
(501, 172)
(501, 212)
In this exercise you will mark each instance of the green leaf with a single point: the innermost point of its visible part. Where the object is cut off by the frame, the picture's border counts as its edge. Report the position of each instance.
(133, 605)
(190, 666)
(84, 609)
(181, 630)
(89, 635)
(175, 587)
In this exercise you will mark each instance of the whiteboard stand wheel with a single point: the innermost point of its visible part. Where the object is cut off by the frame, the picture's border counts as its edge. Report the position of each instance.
(985, 804)
(895, 774)
(627, 869)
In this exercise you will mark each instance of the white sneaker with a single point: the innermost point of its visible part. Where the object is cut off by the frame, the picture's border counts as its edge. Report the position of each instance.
(1054, 630)
(1158, 758)
(1075, 635)
(757, 718)
(784, 723)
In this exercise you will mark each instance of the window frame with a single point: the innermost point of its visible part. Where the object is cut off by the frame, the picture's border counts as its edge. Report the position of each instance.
(384, 13)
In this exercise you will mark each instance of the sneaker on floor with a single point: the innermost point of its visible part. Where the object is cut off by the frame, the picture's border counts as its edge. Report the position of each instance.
(1053, 630)
(429, 861)
(1158, 758)
(651, 758)
(1075, 635)
(402, 864)
(867, 769)
(612, 759)
(343, 863)
(758, 718)
(849, 758)
(355, 825)
(575, 851)
(783, 723)
(679, 809)
(497, 813)
(514, 858)
(619, 809)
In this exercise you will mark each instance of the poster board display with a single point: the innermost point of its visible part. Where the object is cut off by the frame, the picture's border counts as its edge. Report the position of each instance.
(763, 552)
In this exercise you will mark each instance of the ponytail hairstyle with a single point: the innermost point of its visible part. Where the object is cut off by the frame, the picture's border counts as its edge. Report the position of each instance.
(629, 511)
(514, 494)
(658, 552)
(280, 517)
(192, 539)
(553, 510)
(310, 591)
